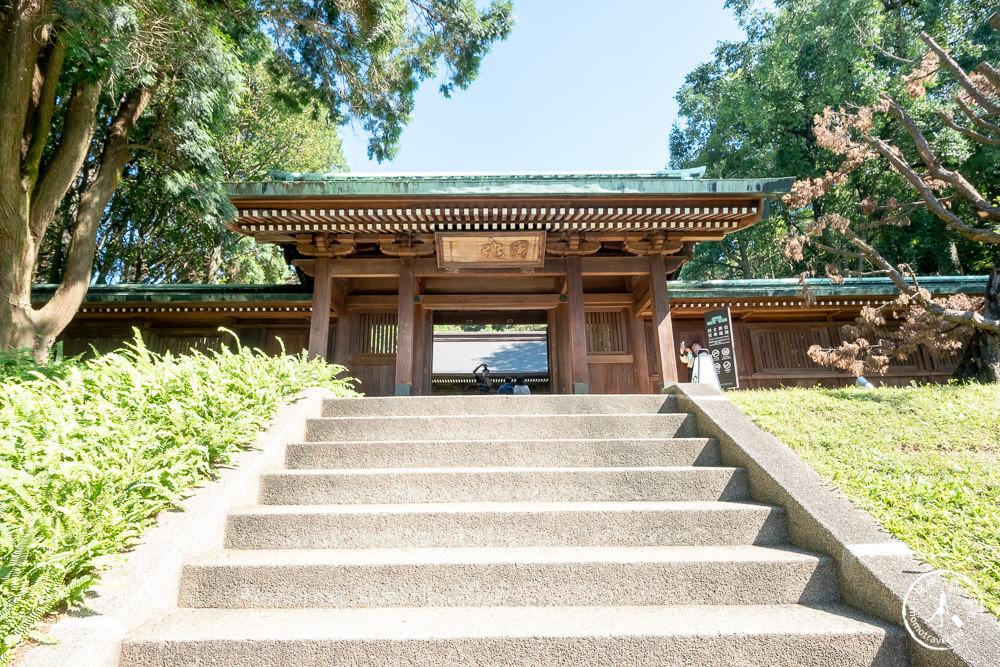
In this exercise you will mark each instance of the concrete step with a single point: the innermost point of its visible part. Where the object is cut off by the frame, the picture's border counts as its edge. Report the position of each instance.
(420, 485)
(512, 576)
(688, 636)
(505, 524)
(505, 453)
(501, 428)
(499, 405)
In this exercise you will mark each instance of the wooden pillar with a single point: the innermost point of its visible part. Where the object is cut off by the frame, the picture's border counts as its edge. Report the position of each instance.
(342, 344)
(428, 352)
(564, 356)
(319, 321)
(640, 362)
(552, 349)
(577, 325)
(404, 327)
(666, 353)
(421, 371)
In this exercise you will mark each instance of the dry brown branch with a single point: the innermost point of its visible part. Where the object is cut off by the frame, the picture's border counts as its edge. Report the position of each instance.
(964, 80)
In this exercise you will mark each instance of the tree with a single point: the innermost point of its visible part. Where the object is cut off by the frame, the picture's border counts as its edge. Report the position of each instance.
(749, 112)
(924, 159)
(156, 230)
(78, 77)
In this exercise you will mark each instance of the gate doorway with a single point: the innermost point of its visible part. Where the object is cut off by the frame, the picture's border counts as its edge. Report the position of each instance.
(511, 344)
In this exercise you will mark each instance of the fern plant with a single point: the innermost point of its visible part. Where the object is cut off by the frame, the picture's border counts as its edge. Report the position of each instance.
(91, 451)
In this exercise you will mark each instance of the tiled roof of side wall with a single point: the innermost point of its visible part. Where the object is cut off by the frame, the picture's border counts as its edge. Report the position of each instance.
(820, 287)
(680, 290)
(182, 293)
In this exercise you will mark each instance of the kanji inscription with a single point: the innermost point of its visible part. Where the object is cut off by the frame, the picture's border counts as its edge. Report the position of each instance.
(497, 249)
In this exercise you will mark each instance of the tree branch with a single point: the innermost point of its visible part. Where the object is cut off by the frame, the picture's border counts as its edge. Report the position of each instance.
(62, 169)
(977, 118)
(949, 120)
(963, 79)
(990, 72)
(44, 86)
(17, 58)
(57, 313)
(837, 251)
(960, 317)
(894, 158)
(872, 44)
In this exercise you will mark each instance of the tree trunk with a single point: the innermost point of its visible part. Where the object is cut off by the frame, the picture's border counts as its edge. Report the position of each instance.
(981, 360)
(215, 257)
(744, 260)
(20, 325)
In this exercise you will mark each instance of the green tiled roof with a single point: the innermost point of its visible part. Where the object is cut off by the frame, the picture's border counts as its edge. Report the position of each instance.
(708, 289)
(182, 293)
(538, 184)
(790, 287)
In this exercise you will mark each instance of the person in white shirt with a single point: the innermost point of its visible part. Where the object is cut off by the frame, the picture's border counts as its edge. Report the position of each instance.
(521, 387)
(688, 356)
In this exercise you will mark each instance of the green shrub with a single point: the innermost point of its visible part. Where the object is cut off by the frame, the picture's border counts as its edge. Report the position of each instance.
(91, 451)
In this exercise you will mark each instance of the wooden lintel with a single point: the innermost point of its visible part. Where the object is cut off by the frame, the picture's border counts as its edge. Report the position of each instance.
(386, 267)
(614, 266)
(609, 359)
(368, 267)
(596, 301)
(489, 301)
(371, 301)
(428, 267)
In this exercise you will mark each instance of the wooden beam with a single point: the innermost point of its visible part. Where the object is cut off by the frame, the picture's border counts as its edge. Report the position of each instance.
(666, 354)
(603, 301)
(404, 327)
(489, 301)
(371, 301)
(319, 322)
(427, 267)
(338, 291)
(614, 266)
(577, 325)
(385, 267)
(643, 300)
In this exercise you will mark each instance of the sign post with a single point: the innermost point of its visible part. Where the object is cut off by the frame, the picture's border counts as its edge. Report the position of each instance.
(720, 345)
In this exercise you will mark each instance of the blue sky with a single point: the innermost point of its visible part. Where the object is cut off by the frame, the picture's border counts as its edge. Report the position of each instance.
(580, 85)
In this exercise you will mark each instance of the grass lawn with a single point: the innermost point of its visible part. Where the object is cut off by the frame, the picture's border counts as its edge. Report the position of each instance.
(924, 461)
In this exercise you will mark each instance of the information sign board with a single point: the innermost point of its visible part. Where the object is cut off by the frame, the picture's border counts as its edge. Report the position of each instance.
(720, 345)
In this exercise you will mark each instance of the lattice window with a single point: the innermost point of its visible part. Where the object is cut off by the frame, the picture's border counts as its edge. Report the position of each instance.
(606, 332)
(376, 333)
(785, 348)
(180, 344)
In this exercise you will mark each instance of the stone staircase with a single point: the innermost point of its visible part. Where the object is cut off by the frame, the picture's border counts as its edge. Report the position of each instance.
(577, 530)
